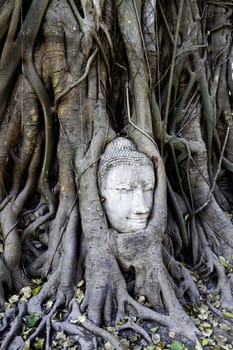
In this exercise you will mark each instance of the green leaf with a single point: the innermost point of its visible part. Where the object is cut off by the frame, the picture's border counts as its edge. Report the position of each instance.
(26, 345)
(223, 261)
(204, 342)
(227, 313)
(80, 283)
(176, 345)
(120, 323)
(31, 320)
(154, 329)
(186, 217)
(36, 290)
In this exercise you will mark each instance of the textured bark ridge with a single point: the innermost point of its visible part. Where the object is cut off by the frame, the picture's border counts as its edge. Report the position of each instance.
(75, 75)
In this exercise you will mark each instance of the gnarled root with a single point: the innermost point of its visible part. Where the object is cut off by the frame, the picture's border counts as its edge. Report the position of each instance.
(107, 286)
(5, 279)
(183, 283)
(15, 326)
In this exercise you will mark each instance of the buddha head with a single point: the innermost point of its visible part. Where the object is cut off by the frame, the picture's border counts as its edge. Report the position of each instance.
(126, 180)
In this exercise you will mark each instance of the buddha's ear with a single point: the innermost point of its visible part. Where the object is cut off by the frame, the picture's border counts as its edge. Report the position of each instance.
(155, 161)
(101, 192)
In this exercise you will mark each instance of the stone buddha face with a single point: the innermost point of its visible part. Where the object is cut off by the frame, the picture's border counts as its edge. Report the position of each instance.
(127, 181)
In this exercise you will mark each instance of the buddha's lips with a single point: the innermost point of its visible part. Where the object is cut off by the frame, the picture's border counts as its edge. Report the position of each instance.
(138, 219)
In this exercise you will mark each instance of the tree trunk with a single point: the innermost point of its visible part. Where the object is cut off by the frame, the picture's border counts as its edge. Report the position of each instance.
(75, 75)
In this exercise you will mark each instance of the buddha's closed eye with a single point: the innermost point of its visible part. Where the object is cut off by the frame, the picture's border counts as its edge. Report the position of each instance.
(124, 188)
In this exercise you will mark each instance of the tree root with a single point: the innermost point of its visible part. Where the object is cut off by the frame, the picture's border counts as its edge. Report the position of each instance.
(15, 326)
(219, 314)
(130, 324)
(48, 290)
(87, 341)
(9, 314)
(76, 83)
(5, 202)
(80, 328)
(45, 321)
(31, 229)
(176, 322)
(209, 265)
(182, 278)
(5, 277)
(90, 326)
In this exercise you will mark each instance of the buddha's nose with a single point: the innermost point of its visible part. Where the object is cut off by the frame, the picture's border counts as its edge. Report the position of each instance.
(140, 206)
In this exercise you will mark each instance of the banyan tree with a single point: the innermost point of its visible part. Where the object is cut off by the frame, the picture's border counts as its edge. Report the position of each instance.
(79, 78)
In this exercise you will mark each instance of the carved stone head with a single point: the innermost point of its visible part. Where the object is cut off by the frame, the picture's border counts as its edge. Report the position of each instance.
(126, 181)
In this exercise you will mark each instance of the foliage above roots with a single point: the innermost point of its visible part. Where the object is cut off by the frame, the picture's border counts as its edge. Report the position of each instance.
(74, 75)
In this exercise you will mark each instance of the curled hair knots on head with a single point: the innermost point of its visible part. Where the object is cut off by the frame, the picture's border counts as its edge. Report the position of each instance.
(121, 151)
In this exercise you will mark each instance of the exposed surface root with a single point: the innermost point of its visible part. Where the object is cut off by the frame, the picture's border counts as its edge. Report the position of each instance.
(184, 285)
(85, 339)
(130, 324)
(90, 326)
(46, 319)
(15, 326)
(181, 325)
